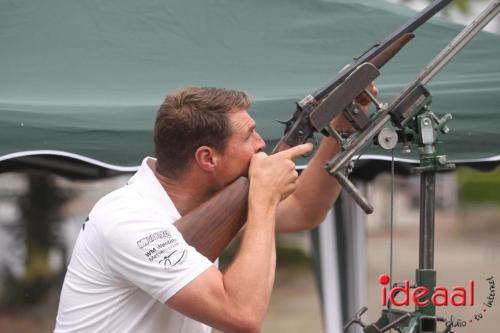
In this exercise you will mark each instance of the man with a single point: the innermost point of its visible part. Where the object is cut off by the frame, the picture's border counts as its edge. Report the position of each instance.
(132, 271)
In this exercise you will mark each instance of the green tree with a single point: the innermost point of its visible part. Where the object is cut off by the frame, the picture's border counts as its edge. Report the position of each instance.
(463, 5)
(38, 226)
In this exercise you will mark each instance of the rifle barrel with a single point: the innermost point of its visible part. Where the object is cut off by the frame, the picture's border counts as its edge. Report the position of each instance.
(408, 27)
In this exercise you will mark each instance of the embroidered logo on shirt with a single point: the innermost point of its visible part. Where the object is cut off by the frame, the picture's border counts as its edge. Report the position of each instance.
(151, 238)
(163, 249)
(173, 258)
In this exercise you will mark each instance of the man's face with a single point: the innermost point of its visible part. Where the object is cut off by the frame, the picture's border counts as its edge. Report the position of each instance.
(243, 143)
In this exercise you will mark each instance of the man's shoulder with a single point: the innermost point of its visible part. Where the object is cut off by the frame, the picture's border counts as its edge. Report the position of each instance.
(122, 207)
(121, 201)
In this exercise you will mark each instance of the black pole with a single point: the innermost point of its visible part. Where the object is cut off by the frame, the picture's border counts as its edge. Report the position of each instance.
(427, 208)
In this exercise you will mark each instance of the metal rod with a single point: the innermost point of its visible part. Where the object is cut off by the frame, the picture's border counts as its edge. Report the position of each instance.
(354, 192)
(395, 322)
(427, 198)
(342, 158)
(392, 223)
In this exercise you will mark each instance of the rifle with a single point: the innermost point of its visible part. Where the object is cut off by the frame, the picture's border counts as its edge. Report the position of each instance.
(213, 224)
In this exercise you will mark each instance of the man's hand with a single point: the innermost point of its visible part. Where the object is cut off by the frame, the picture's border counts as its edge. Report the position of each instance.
(273, 178)
(362, 102)
(316, 190)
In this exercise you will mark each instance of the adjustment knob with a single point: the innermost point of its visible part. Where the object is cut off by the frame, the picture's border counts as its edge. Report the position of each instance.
(387, 138)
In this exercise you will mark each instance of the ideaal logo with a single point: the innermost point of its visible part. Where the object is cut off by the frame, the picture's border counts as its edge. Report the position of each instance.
(458, 296)
(441, 296)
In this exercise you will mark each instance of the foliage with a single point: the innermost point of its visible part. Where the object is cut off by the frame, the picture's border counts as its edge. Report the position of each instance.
(38, 227)
(462, 5)
(19, 293)
(479, 187)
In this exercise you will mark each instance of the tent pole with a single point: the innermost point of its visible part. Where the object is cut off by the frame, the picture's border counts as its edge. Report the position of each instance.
(329, 270)
(351, 235)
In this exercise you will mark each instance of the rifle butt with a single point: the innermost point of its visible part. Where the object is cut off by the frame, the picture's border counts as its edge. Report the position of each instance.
(210, 227)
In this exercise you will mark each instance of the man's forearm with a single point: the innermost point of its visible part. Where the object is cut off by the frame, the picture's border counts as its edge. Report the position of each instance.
(316, 190)
(250, 278)
(315, 194)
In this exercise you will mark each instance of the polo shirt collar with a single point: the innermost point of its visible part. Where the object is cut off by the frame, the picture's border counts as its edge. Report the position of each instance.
(146, 183)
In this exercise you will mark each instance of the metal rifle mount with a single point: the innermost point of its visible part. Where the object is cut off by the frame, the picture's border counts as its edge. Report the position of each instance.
(408, 120)
(421, 129)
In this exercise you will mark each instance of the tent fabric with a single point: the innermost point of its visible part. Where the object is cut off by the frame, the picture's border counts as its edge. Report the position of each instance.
(84, 78)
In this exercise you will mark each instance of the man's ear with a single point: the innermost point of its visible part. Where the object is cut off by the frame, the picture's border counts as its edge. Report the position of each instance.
(206, 158)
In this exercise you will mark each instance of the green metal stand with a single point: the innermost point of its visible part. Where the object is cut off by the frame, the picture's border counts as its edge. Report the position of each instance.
(420, 129)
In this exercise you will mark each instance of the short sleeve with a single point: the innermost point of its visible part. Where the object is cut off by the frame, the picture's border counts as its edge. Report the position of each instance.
(152, 255)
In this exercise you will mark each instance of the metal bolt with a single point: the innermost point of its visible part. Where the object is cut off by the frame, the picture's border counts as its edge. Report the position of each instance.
(426, 122)
(445, 130)
(442, 160)
(300, 133)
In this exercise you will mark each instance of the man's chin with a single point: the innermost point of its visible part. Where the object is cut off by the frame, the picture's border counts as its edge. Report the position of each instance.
(244, 174)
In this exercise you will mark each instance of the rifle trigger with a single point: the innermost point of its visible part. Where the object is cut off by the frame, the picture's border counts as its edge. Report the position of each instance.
(288, 123)
(284, 122)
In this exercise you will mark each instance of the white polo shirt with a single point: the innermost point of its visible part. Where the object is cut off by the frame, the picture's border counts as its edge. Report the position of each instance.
(127, 262)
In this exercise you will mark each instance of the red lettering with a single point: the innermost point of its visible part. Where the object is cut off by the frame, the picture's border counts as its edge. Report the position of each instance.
(458, 292)
(384, 279)
(471, 294)
(406, 292)
(440, 292)
(418, 293)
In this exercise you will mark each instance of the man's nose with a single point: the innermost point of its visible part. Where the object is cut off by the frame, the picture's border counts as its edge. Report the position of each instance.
(261, 144)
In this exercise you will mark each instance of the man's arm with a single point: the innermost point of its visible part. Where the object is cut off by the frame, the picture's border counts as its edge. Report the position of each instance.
(236, 301)
(315, 194)
(316, 190)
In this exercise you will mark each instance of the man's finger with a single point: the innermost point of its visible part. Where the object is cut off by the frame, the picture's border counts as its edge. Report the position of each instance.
(363, 98)
(296, 151)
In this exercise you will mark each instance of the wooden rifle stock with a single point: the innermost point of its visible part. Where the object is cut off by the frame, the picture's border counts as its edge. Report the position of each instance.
(384, 56)
(211, 226)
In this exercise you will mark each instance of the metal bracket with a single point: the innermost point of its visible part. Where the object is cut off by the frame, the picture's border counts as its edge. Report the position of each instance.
(342, 96)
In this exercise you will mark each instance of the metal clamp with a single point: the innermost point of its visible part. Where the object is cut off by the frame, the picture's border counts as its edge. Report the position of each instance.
(356, 319)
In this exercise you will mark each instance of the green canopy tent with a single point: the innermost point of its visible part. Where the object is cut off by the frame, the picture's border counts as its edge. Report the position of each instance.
(80, 81)
(86, 77)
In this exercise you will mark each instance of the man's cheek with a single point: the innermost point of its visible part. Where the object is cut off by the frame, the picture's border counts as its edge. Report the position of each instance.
(246, 168)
